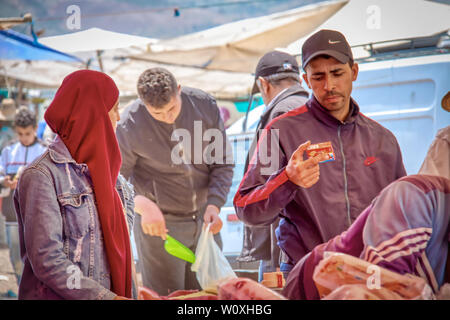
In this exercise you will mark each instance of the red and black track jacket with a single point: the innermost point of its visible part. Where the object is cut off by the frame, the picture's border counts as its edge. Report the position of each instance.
(367, 158)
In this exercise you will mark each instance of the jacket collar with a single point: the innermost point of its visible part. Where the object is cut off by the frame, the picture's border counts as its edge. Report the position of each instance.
(293, 90)
(324, 115)
(59, 153)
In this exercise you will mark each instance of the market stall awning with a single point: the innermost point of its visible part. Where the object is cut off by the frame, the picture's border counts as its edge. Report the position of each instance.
(90, 44)
(50, 74)
(15, 46)
(220, 84)
(94, 39)
(38, 74)
(374, 21)
(237, 46)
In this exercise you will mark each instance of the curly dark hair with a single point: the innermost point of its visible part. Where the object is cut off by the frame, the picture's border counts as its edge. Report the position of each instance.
(156, 86)
(24, 118)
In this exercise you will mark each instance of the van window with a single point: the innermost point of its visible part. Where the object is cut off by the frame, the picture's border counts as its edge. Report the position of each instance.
(240, 144)
(404, 96)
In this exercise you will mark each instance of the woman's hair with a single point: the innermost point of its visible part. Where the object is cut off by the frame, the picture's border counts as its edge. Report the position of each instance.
(156, 86)
(24, 118)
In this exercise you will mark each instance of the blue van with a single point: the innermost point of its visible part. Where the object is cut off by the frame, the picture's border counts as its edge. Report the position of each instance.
(402, 90)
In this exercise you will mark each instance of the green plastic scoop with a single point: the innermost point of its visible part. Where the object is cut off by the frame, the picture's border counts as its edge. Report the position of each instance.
(179, 250)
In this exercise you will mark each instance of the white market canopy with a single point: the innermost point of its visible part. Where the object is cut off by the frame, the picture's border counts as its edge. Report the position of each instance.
(220, 84)
(259, 34)
(50, 74)
(372, 21)
(237, 46)
(94, 39)
(37, 74)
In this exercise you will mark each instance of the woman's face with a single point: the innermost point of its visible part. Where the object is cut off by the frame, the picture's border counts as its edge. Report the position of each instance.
(114, 115)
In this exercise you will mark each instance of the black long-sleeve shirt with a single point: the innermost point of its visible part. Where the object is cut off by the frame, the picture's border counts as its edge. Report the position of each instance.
(169, 163)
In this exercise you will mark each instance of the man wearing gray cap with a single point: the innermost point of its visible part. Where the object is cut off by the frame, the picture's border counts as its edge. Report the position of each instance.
(332, 160)
(277, 77)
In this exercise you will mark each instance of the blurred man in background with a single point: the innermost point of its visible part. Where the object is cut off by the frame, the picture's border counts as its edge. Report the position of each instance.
(14, 158)
(277, 78)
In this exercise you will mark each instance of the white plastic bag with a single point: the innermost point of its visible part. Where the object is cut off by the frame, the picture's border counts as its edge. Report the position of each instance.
(210, 263)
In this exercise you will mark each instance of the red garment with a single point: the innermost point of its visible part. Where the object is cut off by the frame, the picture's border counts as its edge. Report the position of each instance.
(79, 115)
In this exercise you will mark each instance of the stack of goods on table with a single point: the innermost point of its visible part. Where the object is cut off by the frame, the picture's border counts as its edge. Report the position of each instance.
(228, 289)
(274, 280)
(343, 277)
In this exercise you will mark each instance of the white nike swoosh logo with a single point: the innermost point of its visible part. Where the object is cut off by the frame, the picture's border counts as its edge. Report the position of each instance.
(333, 42)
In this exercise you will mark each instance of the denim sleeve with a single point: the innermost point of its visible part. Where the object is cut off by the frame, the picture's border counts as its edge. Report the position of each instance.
(128, 195)
(130, 207)
(40, 213)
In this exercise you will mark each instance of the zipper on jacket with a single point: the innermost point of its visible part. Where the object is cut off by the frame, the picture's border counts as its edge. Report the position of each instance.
(26, 154)
(26, 149)
(344, 169)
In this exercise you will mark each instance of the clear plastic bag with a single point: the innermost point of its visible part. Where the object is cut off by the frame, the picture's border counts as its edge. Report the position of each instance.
(210, 264)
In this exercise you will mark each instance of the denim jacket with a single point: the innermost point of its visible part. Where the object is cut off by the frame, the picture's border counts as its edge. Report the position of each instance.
(61, 240)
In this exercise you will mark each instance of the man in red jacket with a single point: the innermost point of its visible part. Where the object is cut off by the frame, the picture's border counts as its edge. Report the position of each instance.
(321, 196)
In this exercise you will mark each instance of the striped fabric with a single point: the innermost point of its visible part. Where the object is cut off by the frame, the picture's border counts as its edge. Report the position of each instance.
(408, 227)
(402, 244)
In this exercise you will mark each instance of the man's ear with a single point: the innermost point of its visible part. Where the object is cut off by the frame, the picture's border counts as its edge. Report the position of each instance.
(179, 88)
(355, 70)
(264, 84)
(305, 78)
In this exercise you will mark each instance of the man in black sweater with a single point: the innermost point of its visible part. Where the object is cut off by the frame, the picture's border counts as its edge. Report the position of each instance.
(176, 153)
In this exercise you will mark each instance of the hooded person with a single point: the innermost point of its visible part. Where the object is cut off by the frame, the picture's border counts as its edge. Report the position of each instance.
(405, 230)
(71, 203)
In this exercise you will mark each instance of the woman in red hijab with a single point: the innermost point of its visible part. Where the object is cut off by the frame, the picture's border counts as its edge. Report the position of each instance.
(71, 206)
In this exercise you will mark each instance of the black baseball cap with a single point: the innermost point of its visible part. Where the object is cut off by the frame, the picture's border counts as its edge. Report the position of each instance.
(326, 42)
(274, 62)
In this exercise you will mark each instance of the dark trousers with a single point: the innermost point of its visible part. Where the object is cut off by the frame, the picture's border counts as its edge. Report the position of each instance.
(161, 271)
